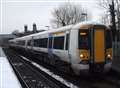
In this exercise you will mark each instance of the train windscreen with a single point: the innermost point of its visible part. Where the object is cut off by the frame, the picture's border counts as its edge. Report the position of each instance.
(83, 39)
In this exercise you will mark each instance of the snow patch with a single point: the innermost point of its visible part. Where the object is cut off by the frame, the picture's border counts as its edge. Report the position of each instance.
(8, 78)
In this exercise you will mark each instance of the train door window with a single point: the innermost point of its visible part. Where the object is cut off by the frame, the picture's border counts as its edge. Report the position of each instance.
(83, 37)
(58, 42)
(29, 43)
(108, 39)
(50, 42)
(40, 42)
(45, 42)
(67, 41)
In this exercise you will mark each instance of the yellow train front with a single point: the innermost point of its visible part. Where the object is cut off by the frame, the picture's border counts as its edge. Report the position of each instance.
(95, 47)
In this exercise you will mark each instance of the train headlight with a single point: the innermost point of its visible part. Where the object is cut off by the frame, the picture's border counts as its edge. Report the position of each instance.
(109, 56)
(81, 55)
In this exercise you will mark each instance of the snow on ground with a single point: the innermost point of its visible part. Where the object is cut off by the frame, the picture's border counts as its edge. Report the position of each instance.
(8, 78)
(52, 74)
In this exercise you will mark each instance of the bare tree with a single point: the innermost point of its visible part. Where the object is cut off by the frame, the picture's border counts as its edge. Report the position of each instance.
(67, 14)
(113, 9)
(118, 13)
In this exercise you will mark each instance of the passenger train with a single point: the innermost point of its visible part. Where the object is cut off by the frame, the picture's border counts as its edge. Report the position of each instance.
(83, 47)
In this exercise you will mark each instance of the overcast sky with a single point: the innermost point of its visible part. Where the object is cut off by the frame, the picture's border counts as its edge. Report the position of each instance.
(17, 13)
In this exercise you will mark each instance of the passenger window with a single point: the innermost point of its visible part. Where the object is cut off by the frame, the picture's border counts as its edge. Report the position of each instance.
(41, 42)
(58, 42)
(36, 42)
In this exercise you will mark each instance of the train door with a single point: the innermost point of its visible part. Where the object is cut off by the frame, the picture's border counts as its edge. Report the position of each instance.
(32, 43)
(26, 44)
(99, 45)
(50, 44)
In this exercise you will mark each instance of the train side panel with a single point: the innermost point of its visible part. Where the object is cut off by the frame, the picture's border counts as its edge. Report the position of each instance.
(73, 47)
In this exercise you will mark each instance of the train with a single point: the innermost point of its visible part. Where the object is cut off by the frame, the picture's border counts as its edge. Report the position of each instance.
(83, 47)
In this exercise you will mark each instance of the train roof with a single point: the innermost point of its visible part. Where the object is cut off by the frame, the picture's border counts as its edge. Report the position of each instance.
(65, 28)
(86, 24)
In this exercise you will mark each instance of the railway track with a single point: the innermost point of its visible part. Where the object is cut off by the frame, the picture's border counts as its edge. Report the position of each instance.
(29, 75)
(109, 80)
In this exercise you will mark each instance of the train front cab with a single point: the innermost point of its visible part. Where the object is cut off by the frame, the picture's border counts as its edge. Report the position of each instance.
(95, 46)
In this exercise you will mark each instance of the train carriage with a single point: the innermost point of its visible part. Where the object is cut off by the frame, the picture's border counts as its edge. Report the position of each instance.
(84, 46)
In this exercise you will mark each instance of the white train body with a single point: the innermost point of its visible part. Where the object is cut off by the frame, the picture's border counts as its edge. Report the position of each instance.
(62, 42)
